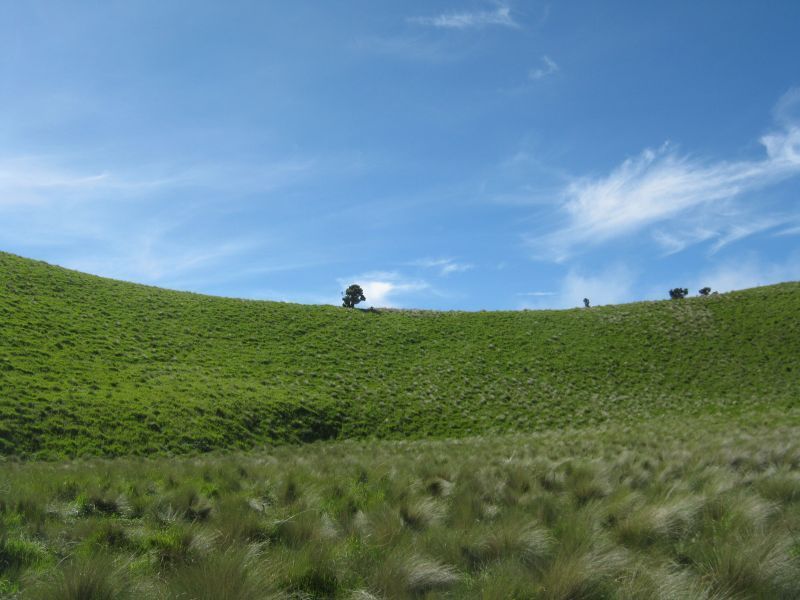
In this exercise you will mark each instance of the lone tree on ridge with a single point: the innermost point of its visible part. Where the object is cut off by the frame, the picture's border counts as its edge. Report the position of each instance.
(678, 293)
(705, 291)
(352, 296)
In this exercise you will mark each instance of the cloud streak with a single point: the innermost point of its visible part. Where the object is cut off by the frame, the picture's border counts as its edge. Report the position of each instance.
(36, 180)
(445, 266)
(501, 17)
(548, 67)
(151, 258)
(125, 223)
(661, 185)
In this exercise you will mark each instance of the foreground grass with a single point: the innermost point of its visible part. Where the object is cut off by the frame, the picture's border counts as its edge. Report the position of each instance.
(90, 366)
(667, 509)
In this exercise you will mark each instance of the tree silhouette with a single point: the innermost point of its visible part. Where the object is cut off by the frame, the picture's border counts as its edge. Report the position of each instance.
(678, 293)
(352, 296)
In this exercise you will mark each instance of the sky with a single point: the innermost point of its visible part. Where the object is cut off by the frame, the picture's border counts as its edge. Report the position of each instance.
(454, 155)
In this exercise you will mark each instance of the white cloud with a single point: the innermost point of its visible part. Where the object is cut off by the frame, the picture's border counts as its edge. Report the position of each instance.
(612, 285)
(382, 288)
(749, 273)
(446, 266)
(548, 67)
(501, 16)
(659, 185)
(455, 268)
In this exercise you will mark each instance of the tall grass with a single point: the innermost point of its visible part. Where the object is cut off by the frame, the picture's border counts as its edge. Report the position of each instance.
(667, 510)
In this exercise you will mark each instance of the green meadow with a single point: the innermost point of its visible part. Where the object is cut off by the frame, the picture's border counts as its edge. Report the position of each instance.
(90, 366)
(159, 444)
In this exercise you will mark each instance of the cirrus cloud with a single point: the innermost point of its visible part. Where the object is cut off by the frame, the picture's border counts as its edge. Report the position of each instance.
(663, 187)
(501, 16)
(445, 266)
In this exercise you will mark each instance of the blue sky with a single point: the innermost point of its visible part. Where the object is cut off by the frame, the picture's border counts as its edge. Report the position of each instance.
(451, 155)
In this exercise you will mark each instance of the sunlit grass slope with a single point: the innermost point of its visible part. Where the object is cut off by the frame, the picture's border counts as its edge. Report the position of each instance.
(94, 366)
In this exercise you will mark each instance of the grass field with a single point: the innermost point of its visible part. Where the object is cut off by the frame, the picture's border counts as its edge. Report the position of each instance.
(157, 444)
(90, 366)
(661, 510)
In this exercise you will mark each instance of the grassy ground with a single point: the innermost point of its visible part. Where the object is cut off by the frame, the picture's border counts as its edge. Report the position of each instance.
(90, 366)
(662, 510)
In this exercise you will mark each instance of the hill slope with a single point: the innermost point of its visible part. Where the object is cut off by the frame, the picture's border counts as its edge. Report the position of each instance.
(94, 366)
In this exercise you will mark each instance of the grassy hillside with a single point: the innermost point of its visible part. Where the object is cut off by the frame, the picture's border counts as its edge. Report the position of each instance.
(94, 366)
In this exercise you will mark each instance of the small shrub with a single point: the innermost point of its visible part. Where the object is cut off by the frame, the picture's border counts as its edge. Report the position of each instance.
(424, 575)
(93, 578)
(231, 575)
(17, 553)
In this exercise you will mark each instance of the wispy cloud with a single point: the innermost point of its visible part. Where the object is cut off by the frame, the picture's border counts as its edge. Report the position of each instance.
(28, 174)
(154, 265)
(739, 225)
(34, 180)
(659, 186)
(153, 256)
(673, 242)
(548, 67)
(501, 16)
(787, 108)
(29, 180)
(789, 231)
(445, 266)
(137, 224)
(745, 229)
(385, 288)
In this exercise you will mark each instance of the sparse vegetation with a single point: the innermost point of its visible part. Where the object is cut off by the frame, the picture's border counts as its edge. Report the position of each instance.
(665, 509)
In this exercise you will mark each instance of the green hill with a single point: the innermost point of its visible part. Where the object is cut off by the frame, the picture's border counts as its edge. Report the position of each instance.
(95, 366)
